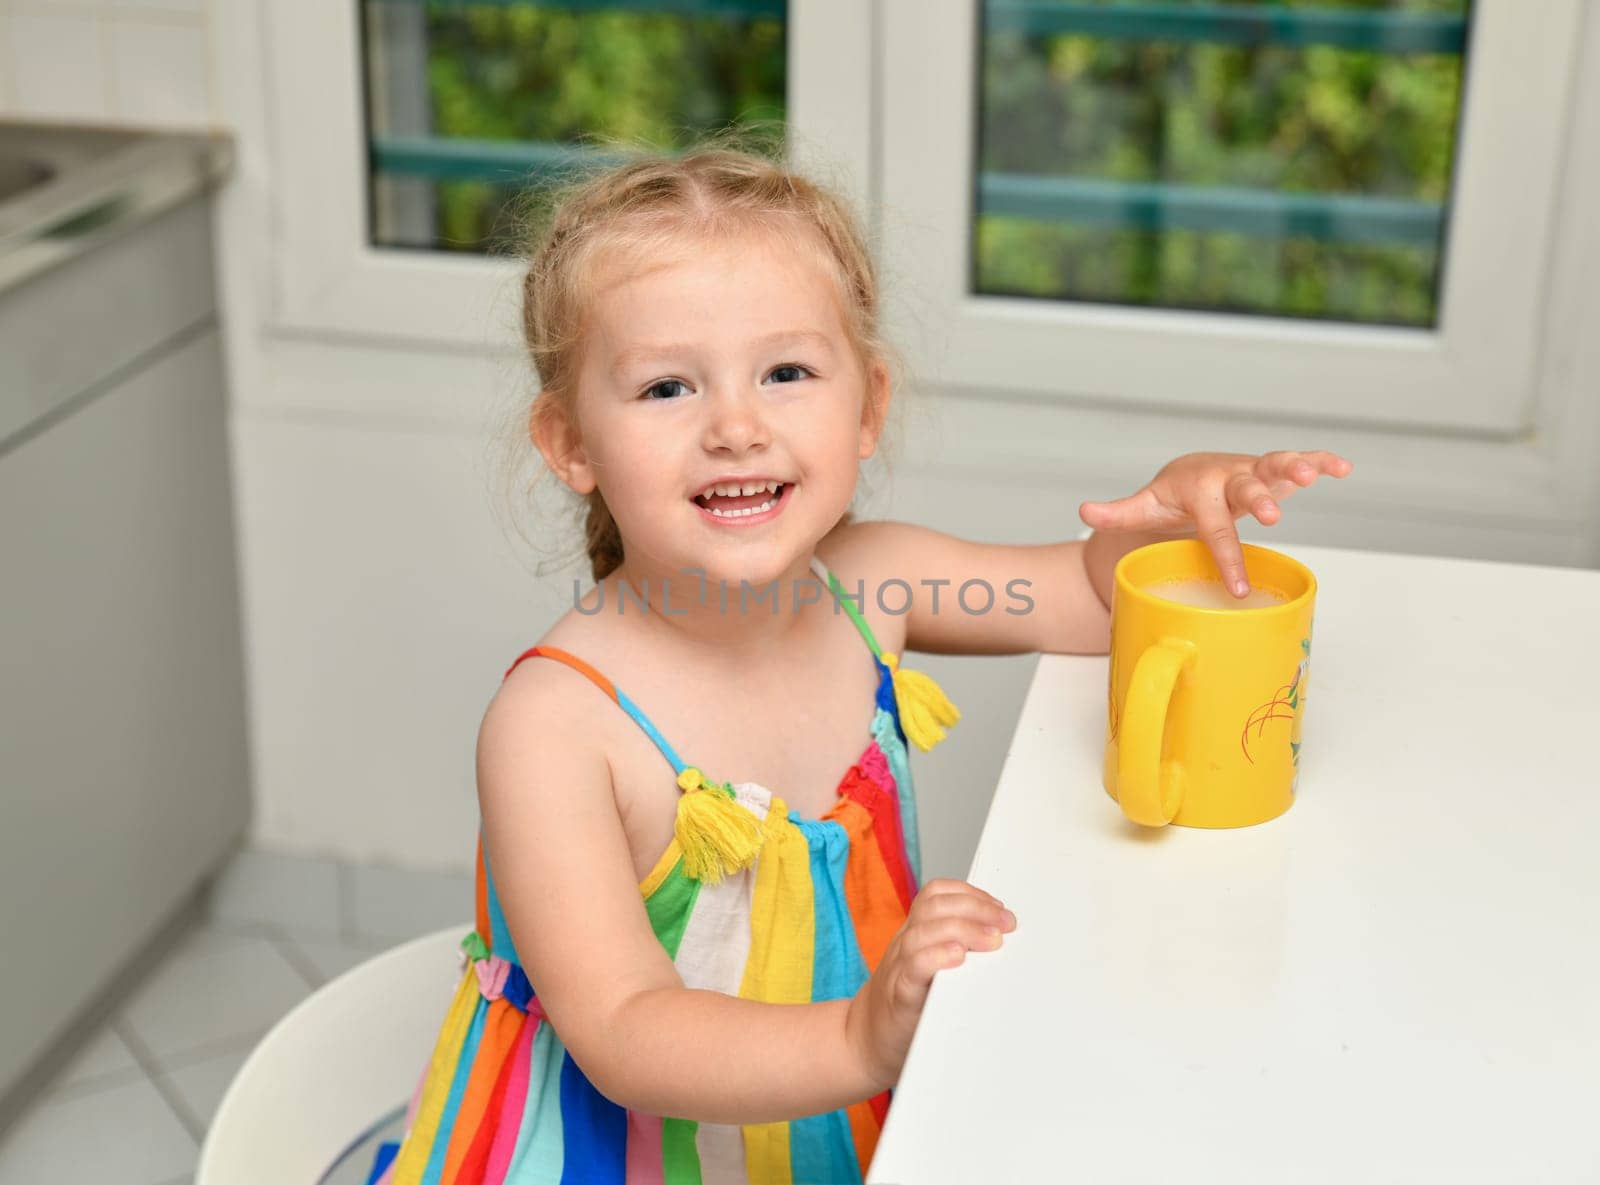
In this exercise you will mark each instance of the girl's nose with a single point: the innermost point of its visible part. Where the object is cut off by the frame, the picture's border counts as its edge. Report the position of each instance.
(735, 421)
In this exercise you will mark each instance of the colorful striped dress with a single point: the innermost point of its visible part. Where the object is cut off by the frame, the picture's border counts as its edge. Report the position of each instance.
(750, 898)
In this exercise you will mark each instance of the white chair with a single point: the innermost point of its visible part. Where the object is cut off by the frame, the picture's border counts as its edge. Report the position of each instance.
(348, 1053)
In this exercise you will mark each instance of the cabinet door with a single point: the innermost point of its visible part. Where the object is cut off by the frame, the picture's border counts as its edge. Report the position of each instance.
(122, 727)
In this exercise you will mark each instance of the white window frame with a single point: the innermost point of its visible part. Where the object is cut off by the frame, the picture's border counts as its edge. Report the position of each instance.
(330, 282)
(1476, 372)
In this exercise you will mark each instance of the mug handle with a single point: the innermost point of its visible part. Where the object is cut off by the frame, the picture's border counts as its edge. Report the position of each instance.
(1149, 790)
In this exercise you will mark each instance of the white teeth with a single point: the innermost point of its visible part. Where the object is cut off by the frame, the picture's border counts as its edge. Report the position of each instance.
(741, 490)
(767, 505)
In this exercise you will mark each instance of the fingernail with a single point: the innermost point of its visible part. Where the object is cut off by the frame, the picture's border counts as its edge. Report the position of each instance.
(1240, 588)
(1011, 918)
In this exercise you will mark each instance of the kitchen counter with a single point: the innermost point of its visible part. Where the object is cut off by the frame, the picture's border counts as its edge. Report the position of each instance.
(65, 187)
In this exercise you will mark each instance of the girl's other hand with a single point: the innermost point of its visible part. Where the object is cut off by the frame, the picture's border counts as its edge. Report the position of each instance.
(1208, 491)
(946, 920)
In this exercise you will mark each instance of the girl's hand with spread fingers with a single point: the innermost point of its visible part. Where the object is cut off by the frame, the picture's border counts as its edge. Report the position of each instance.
(946, 920)
(1207, 492)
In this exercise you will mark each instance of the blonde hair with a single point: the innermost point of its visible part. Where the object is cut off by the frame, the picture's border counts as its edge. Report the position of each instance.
(637, 211)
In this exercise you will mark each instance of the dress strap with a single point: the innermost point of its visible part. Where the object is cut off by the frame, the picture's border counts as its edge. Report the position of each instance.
(923, 710)
(717, 836)
(832, 582)
(611, 689)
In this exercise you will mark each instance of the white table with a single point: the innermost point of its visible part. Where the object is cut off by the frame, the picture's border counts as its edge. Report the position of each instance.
(1396, 981)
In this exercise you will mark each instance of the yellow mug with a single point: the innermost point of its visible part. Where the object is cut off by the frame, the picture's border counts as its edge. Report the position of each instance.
(1204, 705)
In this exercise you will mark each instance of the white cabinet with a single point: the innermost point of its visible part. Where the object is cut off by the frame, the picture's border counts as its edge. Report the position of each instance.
(123, 773)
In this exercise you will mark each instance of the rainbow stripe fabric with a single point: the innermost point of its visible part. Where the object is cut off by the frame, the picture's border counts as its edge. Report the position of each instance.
(501, 1102)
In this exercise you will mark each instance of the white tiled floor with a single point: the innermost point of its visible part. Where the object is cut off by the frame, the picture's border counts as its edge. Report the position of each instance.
(145, 1086)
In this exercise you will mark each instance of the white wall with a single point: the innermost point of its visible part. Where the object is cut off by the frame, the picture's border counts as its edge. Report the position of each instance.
(383, 597)
(123, 61)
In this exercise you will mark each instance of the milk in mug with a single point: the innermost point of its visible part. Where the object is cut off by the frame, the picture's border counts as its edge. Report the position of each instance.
(1209, 594)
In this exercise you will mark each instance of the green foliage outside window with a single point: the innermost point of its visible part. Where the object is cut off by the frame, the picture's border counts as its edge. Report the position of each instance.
(546, 75)
(1314, 119)
(1175, 116)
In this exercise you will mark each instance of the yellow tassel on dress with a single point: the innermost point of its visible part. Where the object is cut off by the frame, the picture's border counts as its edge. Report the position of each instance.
(925, 710)
(717, 835)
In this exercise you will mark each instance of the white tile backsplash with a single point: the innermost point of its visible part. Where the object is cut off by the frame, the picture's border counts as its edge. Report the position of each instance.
(159, 72)
(163, 7)
(138, 62)
(57, 63)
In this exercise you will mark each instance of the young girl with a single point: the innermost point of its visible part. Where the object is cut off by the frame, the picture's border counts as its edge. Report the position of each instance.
(702, 940)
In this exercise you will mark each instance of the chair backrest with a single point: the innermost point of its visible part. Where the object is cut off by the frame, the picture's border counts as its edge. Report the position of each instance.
(351, 1051)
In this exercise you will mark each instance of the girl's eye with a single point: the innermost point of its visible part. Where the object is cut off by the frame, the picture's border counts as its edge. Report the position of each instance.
(789, 372)
(658, 386)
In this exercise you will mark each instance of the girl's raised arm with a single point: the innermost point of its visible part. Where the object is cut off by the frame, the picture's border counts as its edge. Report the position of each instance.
(960, 596)
(565, 880)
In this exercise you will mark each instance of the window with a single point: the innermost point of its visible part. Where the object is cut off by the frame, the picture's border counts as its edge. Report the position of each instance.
(1289, 161)
(1185, 204)
(430, 114)
(1130, 202)
(466, 103)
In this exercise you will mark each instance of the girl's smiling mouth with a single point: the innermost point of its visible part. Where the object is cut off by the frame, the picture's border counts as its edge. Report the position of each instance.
(744, 509)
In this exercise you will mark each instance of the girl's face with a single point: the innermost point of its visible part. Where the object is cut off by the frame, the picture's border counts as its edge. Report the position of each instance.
(729, 362)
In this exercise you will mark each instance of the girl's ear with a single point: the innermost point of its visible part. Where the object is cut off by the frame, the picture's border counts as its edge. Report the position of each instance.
(557, 440)
(874, 408)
